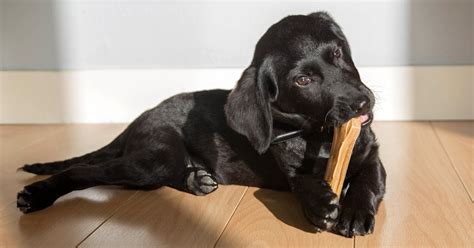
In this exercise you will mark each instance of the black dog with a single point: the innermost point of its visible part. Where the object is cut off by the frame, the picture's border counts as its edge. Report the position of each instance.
(301, 79)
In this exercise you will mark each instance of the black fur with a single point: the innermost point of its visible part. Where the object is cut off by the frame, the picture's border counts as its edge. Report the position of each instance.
(194, 141)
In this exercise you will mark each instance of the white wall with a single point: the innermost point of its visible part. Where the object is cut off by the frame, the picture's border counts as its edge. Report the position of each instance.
(106, 34)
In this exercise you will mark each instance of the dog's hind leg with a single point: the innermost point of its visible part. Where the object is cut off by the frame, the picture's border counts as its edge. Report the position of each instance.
(199, 181)
(140, 170)
(158, 164)
(108, 152)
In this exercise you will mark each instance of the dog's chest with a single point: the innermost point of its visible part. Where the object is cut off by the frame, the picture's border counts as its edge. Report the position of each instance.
(291, 152)
(298, 155)
(299, 147)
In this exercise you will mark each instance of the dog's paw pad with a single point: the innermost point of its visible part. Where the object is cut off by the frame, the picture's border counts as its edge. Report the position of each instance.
(34, 197)
(321, 207)
(23, 201)
(333, 214)
(201, 182)
(322, 220)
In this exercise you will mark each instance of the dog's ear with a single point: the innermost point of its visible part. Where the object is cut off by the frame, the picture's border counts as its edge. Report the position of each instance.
(248, 107)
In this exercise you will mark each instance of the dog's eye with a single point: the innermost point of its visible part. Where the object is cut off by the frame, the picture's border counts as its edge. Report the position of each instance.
(337, 53)
(303, 80)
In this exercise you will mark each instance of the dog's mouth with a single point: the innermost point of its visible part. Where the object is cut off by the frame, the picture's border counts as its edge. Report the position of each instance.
(337, 117)
(366, 119)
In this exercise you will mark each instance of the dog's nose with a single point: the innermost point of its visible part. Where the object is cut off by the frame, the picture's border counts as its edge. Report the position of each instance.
(360, 107)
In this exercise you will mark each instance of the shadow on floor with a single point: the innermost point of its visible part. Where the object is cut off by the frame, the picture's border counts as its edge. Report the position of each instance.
(285, 207)
(151, 223)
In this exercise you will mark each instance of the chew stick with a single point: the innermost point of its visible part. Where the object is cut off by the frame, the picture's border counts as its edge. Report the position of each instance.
(341, 150)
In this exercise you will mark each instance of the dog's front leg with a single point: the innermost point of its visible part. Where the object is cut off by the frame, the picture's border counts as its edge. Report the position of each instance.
(359, 205)
(304, 170)
(320, 204)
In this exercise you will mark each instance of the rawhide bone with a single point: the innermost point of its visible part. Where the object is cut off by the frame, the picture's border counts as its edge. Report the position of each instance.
(341, 150)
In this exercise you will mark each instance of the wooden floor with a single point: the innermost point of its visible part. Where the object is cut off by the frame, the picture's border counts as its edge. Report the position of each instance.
(429, 200)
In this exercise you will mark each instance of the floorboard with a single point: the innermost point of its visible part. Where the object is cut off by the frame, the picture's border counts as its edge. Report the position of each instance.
(16, 137)
(169, 218)
(425, 204)
(74, 216)
(457, 139)
(267, 218)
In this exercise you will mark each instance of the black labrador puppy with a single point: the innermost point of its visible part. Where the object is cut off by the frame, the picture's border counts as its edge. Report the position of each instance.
(273, 130)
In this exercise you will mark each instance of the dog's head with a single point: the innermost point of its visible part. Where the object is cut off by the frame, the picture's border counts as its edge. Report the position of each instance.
(302, 67)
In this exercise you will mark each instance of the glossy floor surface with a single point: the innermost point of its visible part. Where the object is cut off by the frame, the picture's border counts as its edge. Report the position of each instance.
(429, 200)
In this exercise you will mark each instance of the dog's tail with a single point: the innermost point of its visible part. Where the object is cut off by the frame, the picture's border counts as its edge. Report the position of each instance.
(108, 152)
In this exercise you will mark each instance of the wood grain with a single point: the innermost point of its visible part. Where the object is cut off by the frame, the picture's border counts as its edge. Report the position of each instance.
(16, 137)
(268, 218)
(457, 139)
(74, 216)
(43, 143)
(425, 204)
(13, 140)
(169, 218)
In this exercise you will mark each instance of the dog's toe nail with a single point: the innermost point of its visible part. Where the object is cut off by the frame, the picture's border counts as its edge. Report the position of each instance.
(317, 229)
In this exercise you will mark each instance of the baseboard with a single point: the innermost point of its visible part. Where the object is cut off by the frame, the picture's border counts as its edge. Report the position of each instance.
(403, 93)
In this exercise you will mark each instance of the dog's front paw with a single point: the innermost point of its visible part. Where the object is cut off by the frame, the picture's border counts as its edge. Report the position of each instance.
(353, 221)
(34, 197)
(322, 207)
